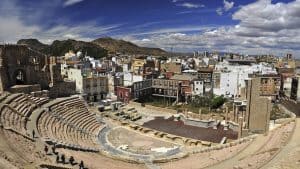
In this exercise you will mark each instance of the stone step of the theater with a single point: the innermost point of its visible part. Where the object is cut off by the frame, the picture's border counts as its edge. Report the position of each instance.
(150, 165)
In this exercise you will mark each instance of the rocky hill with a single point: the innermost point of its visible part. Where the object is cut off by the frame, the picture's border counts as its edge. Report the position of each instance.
(59, 48)
(126, 47)
(33, 43)
(97, 48)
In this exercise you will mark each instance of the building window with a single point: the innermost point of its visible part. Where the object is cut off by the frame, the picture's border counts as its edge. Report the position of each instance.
(166, 83)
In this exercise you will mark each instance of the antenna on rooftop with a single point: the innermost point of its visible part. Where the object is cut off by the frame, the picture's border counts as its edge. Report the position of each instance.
(172, 47)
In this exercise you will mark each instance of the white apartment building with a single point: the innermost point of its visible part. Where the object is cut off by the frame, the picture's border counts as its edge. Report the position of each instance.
(93, 87)
(232, 77)
(129, 78)
(198, 88)
(94, 62)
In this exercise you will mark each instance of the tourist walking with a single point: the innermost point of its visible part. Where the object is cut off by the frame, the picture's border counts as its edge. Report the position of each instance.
(81, 165)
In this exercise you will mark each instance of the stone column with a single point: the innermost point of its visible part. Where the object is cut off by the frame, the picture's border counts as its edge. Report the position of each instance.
(200, 113)
(240, 127)
(226, 117)
(236, 113)
(233, 110)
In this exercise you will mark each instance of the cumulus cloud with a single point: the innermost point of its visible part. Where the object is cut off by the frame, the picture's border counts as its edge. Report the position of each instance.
(273, 28)
(71, 2)
(269, 17)
(190, 5)
(226, 7)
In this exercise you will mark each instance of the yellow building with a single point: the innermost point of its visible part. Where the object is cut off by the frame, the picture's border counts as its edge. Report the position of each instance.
(137, 66)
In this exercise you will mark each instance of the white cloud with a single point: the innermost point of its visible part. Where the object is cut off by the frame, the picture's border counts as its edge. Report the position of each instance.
(185, 12)
(219, 11)
(269, 17)
(71, 2)
(12, 26)
(85, 31)
(226, 7)
(174, 1)
(272, 28)
(190, 5)
(145, 40)
(15, 28)
(186, 28)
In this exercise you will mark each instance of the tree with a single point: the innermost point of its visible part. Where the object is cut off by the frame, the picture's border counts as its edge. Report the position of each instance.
(201, 101)
(276, 113)
(217, 102)
(275, 110)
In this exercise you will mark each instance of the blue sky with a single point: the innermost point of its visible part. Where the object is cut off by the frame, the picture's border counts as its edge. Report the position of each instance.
(244, 26)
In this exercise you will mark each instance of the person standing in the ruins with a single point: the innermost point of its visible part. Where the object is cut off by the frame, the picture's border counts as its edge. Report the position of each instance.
(63, 158)
(53, 149)
(71, 160)
(57, 159)
(81, 165)
(33, 134)
(46, 149)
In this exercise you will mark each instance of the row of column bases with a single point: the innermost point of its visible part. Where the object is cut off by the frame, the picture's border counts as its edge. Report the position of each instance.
(237, 118)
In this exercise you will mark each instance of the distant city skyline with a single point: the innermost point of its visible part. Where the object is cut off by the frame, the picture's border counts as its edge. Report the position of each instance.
(240, 26)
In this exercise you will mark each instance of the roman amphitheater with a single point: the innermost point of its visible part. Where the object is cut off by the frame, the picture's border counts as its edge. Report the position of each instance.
(37, 131)
(48, 126)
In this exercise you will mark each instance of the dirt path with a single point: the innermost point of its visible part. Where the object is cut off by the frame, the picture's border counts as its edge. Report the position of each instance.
(288, 157)
(259, 141)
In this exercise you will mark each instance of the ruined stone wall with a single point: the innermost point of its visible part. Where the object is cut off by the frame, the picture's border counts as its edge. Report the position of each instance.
(62, 89)
(19, 58)
(258, 108)
(25, 89)
(3, 71)
(34, 68)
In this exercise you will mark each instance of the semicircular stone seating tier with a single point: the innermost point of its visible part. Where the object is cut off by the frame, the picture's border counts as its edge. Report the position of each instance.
(68, 123)
(16, 109)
